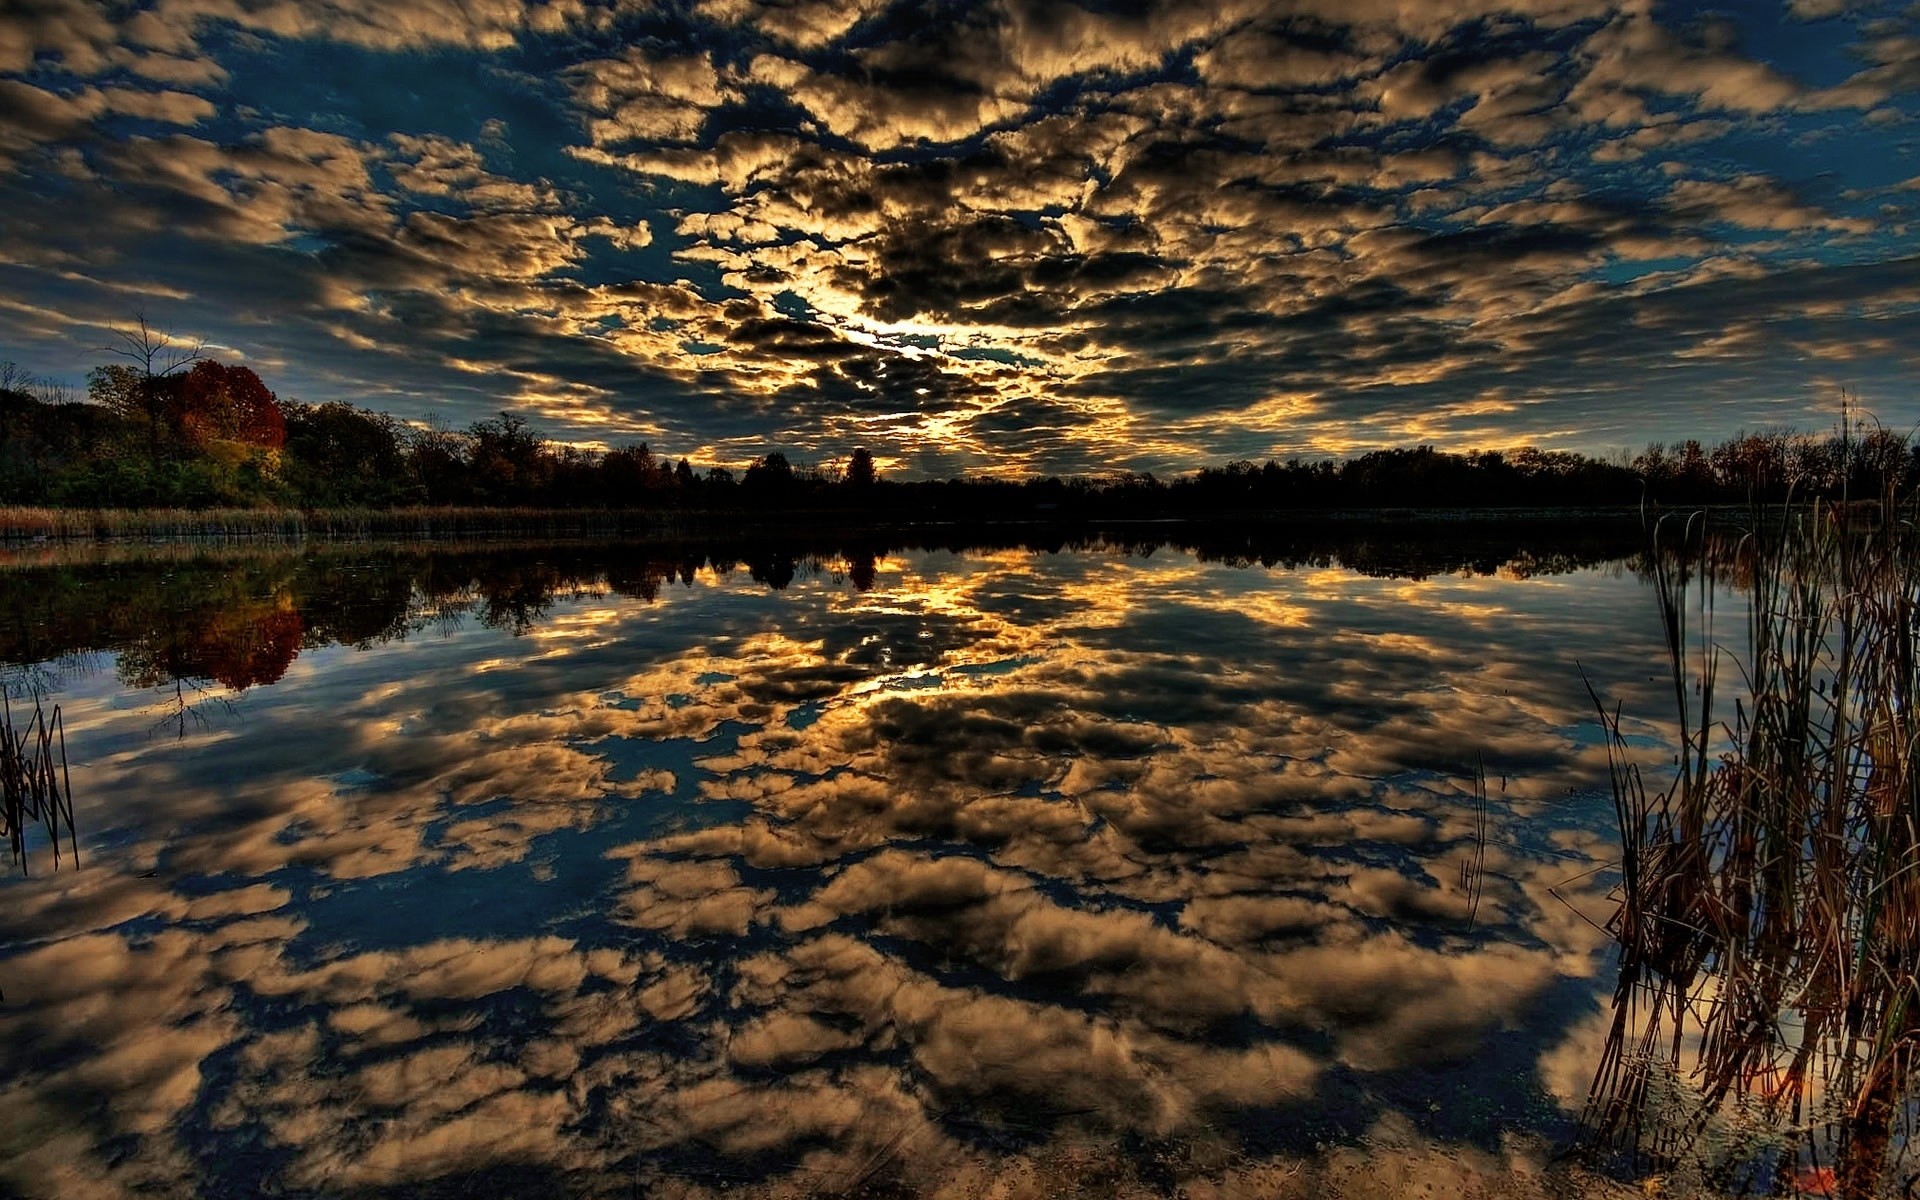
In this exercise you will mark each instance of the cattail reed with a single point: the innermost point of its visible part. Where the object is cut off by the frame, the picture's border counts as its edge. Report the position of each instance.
(1769, 903)
(34, 784)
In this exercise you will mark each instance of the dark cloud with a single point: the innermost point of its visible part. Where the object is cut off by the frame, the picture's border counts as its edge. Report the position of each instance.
(745, 223)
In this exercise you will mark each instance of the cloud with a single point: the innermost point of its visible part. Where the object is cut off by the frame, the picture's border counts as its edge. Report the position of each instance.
(1637, 55)
(1026, 236)
(478, 24)
(638, 97)
(807, 24)
(1817, 10)
(35, 117)
(432, 165)
(1754, 202)
(77, 32)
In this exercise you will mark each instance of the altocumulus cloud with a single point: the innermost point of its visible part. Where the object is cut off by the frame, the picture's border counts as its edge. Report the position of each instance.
(1015, 234)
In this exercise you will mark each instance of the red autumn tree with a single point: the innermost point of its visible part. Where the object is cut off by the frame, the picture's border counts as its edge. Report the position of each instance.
(217, 403)
(250, 647)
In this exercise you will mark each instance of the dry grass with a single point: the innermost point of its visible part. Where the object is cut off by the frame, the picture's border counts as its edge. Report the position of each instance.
(64, 524)
(34, 786)
(1767, 1015)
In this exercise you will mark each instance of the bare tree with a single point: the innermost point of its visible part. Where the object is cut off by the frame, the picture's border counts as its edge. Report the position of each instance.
(157, 352)
(51, 391)
(20, 382)
(155, 355)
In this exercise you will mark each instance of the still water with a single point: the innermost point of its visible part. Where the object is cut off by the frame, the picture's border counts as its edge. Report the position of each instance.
(812, 870)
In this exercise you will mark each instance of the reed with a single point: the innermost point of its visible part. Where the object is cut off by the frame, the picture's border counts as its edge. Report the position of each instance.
(34, 785)
(1768, 917)
(19, 524)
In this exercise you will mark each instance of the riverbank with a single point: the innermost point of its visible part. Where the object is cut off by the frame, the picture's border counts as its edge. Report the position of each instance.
(20, 525)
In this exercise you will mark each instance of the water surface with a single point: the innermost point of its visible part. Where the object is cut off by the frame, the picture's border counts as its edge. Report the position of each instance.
(588, 870)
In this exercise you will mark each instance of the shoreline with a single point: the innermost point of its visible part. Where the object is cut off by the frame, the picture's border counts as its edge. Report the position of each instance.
(24, 527)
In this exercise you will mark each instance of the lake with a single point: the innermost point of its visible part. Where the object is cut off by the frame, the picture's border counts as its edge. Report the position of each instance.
(1125, 864)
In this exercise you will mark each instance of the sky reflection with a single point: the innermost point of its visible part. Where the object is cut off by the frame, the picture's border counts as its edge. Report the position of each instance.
(812, 885)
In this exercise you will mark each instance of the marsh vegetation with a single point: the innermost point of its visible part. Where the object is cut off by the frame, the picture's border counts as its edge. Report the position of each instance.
(1766, 1020)
(36, 787)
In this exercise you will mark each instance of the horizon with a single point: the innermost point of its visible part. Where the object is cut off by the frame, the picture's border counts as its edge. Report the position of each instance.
(1849, 422)
(1007, 239)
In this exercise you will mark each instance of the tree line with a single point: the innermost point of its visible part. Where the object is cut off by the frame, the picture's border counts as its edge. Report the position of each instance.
(168, 426)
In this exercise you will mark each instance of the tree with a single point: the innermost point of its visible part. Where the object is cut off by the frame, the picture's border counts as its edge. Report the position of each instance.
(338, 454)
(628, 472)
(768, 478)
(154, 355)
(118, 388)
(860, 472)
(510, 459)
(155, 352)
(214, 403)
(1695, 471)
(438, 461)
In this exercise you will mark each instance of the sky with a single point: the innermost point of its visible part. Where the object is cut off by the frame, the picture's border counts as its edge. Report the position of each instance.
(1009, 236)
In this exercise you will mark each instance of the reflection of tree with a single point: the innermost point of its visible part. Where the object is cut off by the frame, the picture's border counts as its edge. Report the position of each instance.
(775, 568)
(519, 594)
(254, 647)
(372, 601)
(642, 582)
(236, 645)
(861, 570)
(238, 621)
(185, 652)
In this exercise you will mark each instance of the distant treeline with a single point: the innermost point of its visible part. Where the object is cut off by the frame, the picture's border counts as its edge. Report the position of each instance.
(199, 434)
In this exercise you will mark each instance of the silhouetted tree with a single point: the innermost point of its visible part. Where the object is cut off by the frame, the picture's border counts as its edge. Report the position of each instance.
(510, 461)
(337, 454)
(860, 473)
(629, 473)
(437, 459)
(772, 473)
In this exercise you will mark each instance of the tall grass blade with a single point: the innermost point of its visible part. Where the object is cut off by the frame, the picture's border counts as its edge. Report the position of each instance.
(1768, 916)
(35, 786)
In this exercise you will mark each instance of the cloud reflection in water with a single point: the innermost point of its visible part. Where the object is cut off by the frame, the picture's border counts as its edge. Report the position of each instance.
(717, 882)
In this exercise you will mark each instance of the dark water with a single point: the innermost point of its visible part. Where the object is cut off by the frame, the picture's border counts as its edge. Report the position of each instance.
(822, 870)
